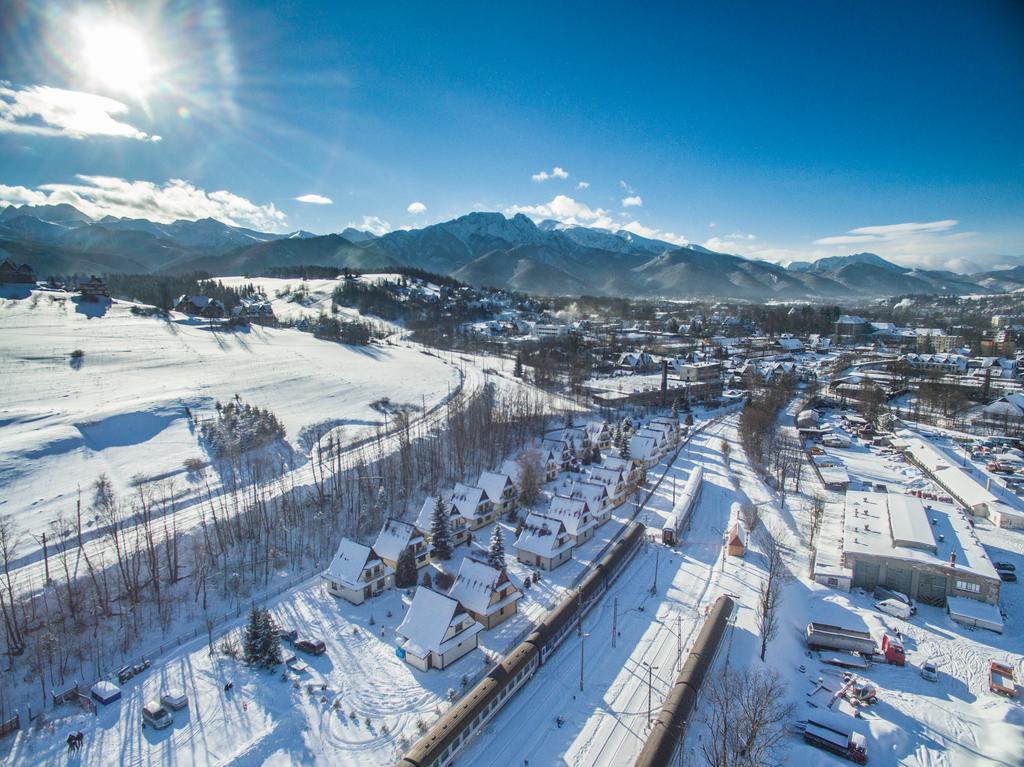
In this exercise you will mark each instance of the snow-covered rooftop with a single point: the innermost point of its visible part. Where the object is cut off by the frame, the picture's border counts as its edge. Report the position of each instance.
(493, 484)
(868, 530)
(543, 536)
(348, 563)
(475, 586)
(429, 617)
(394, 536)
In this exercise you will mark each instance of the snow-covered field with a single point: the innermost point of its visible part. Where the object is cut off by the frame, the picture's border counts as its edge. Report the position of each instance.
(120, 408)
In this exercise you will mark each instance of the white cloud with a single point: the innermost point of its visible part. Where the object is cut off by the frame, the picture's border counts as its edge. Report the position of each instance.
(655, 234)
(583, 185)
(896, 230)
(633, 201)
(373, 224)
(888, 232)
(416, 208)
(627, 187)
(567, 210)
(20, 195)
(40, 110)
(315, 199)
(100, 196)
(556, 172)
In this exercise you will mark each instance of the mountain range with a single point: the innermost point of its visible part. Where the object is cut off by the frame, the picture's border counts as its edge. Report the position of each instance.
(484, 249)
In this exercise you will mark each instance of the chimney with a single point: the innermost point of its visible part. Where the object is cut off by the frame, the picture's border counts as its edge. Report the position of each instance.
(952, 559)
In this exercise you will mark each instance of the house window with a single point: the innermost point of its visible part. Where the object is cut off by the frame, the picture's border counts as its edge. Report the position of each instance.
(973, 588)
(833, 582)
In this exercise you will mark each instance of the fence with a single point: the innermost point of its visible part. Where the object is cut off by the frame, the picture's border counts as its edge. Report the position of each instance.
(11, 725)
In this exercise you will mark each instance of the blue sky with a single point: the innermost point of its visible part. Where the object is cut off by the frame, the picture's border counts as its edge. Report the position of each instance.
(777, 130)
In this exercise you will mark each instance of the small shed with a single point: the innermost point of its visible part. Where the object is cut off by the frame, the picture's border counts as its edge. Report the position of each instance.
(105, 692)
(736, 540)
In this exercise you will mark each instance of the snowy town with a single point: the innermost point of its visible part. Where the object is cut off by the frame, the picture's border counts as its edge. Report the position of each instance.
(443, 385)
(824, 526)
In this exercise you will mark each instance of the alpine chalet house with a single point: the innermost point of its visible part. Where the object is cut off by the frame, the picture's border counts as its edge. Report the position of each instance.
(436, 632)
(499, 489)
(599, 434)
(579, 523)
(544, 542)
(93, 289)
(255, 310)
(356, 573)
(629, 467)
(17, 274)
(613, 480)
(458, 530)
(595, 495)
(551, 460)
(559, 450)
(662, 439)
(636, 362)
(488, 595)
(200, 306)
(644, 449)
(667, 424)
(472, 503)
(394, 537)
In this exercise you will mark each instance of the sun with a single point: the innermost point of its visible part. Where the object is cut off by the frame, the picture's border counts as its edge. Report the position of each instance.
(117, 55)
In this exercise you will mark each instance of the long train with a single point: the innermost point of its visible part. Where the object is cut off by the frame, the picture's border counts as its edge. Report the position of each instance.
(453, 731)
(680, 516)
(668, 729)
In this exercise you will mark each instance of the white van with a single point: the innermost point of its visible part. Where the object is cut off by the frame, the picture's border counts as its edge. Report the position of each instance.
(155, 715)
(894, 607)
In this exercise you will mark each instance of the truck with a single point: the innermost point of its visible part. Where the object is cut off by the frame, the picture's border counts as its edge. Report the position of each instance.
(829, 637)
(844, 742)
(1000, 679)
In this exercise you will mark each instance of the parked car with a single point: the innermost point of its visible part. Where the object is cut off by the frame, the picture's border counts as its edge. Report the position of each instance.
(155, 715)
(882, 593)
(1007, 576)
(311, 646)
(929, 672)
(895, 608)
(1005, 566)
(175, 700)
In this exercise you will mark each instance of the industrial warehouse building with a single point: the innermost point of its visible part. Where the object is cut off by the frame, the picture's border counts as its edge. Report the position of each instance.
(929, 552)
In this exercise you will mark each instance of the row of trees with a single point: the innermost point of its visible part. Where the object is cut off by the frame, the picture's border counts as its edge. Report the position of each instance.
(238, 427)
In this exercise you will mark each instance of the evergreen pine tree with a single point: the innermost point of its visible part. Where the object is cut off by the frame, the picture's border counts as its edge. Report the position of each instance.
(252, 639)
(405, 571)
(517, 371)
(272, 642)
(675, 409)
(689, 419)
(596, 458)
(439, 532)
(496, 550)
(585, 453)
(623, 447)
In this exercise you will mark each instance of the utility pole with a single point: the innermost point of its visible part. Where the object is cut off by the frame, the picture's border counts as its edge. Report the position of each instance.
(582, 638)
(615, 620)
(650, 688)
(679, 641)
(657, 562)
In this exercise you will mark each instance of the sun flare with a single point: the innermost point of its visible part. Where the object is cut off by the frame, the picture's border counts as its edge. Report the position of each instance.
(117, 55)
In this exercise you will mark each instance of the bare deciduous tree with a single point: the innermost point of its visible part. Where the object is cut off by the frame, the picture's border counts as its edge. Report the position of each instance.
(531, 477)
(770, 592)
(746, 721)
